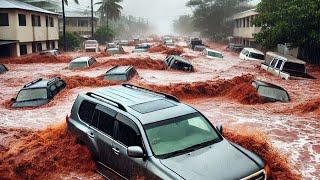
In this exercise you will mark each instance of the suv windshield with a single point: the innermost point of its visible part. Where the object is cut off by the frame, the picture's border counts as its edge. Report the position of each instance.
(180, 135)
(79, 64)
(274, 93)
(32, 94)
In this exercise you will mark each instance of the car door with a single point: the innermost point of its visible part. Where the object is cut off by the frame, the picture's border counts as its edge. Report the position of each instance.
(104, 134)
(128, 135)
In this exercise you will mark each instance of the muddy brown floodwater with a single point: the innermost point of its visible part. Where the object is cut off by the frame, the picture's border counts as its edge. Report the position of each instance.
(218, 88)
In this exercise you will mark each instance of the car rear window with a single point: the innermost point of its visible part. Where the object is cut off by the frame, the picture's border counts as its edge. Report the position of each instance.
(215, 54)
(116, 77)
(86, 110)
(274, 93)
(32, 94)
(79, 64)
(290, 66)
(152, 106)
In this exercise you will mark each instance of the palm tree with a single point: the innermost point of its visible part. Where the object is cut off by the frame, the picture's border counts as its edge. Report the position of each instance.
(64, 22)
(109, 9)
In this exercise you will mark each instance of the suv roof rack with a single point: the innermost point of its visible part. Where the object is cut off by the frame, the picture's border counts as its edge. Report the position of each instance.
(106, 100)
(173, 98)
(32, 82)
(53, 80)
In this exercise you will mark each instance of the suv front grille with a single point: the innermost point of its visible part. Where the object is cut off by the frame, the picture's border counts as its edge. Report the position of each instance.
(260, 175)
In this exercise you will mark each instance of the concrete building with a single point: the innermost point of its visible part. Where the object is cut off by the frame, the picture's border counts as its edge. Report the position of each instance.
(244, 29)
(79, 22)
(26, 29)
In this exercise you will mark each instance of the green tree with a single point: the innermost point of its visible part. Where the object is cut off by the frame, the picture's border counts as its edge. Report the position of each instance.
(295, 21)
(212, 17)
(104, 34)
(109, 9)
(72, 41)
(183, 25)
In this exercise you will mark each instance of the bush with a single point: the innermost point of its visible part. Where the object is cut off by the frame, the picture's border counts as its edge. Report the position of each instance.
(104, 34)
(72, 41)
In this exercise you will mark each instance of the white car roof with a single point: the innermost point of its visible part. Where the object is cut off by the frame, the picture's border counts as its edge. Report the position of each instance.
(81, 59)
(254, 50)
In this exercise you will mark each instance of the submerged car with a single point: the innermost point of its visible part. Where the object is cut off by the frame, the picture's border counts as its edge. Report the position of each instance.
(111, 45)
(270, 92)
(91, 46)
(141, 48)
(120, 73)
(116, 50)
(135, 132)
(251, 54)
(179, 63)
(53, 52)
(38, 92)
(212, 54)
(82, 62)
(3, 68)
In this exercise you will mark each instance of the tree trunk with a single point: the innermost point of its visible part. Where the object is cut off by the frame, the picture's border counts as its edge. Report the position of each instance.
(64, 27)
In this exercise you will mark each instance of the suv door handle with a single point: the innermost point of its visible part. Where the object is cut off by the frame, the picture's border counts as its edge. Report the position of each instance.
(90, 134)
(116, 151)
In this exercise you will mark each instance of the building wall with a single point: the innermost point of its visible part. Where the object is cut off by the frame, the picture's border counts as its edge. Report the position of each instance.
(73, 25)
(28, 33)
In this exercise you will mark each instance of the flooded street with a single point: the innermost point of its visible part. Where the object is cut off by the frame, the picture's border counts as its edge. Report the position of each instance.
(292, 131)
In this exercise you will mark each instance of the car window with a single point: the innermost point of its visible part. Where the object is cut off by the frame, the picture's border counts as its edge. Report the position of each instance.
(95, 118)
(86, 110)
(106, 123)
(60, 84)
(78, 64)
(128, 132)
(91, 61)
(273, 62)
(294, 67)
(256, 56)
(53, 89)
(279, 64)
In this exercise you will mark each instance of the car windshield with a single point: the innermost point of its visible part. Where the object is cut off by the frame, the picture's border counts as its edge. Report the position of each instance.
(32, 94)
(116, 77)
(215, 54)
(79, 64)
(180, 135)
(256, 56)
(274, 93)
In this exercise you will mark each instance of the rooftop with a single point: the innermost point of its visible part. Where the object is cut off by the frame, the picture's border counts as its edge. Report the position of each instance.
(12, 4)
(144, 104)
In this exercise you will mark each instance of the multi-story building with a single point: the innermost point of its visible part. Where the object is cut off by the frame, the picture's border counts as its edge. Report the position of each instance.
(26, 29)
(244, 29)
(79, 22)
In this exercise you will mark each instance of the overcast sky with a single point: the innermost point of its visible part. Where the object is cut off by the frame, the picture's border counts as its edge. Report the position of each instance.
(159, 13)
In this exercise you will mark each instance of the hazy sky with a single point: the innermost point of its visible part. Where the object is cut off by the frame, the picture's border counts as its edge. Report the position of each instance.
(159, 13)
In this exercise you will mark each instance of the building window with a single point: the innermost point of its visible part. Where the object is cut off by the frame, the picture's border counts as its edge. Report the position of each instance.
(53, 45)
(4, 19)
(36, 20)
(39, 47)
(83, 23)
(51, 22)
(23, 49)
(47, 19)
(22, 20)
(244, 22)
(48, 45)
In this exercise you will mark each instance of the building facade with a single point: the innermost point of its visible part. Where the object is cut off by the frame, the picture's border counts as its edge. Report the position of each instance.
(79, 22)
(26, 29)
(244, 29)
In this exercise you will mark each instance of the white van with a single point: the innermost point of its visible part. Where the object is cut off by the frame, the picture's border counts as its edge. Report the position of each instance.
(251, 54)
(91, 46)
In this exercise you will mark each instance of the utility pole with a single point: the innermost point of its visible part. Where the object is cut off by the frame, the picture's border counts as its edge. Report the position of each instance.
(92, 29)
(64, 26)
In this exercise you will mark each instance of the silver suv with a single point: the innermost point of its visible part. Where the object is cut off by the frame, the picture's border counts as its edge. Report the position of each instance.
(136, 133)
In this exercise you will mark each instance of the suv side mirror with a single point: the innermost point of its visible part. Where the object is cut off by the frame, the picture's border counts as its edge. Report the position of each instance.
(219, 128)
(135, 152)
